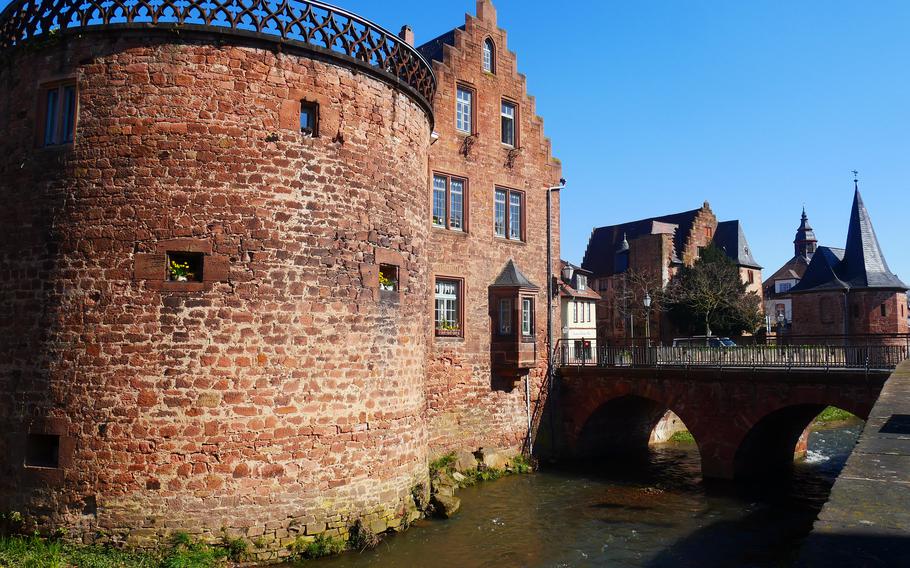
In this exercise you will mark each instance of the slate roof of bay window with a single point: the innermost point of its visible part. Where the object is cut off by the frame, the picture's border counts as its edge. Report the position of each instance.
(512, 277)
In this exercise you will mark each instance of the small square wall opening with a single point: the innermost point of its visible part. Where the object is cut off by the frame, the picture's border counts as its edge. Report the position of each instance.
(388, 277)
(42, 450)
(309, 118)
(185, 266)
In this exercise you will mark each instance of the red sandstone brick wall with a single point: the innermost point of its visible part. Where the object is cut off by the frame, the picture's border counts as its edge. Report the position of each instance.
(285, 395)
(467, 407)
(821, 313)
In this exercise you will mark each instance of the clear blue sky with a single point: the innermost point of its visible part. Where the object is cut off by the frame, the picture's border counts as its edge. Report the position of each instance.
(757, 106)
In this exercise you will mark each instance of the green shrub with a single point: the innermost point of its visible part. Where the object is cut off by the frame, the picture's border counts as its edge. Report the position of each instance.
(682, 437)
(318, 547)
(833, 414)
(443, 463)
(521, 464)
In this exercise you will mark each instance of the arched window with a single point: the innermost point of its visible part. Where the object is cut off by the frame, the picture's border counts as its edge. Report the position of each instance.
(489, 56)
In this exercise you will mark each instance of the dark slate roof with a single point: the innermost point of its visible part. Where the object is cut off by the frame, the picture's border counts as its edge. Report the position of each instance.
(605, 241)
(860, 265)
(730, 238)
(864, 265)
(511, 277)
(433, 49)
(822, 271)
(804, 235)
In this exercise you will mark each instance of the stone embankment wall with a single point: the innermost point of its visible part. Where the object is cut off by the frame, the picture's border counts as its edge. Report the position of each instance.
(284, 394)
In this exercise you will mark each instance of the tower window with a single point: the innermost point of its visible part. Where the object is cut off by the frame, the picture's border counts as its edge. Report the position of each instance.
(42, 450)
(884, 310)
(309, 118)
(58, 111)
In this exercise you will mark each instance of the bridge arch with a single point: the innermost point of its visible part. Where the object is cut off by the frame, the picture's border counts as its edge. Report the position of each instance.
(622, 424)
(770, 443)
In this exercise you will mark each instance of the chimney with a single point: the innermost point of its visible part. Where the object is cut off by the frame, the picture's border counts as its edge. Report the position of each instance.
(407, 35)
(486, 12)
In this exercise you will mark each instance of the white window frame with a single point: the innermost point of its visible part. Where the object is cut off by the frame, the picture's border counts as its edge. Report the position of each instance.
(527, 317)
(464, 108)
(507, 114)
(448, 298)
(489, 49)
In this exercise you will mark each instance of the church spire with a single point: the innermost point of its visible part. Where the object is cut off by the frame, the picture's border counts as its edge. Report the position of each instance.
(805, 243)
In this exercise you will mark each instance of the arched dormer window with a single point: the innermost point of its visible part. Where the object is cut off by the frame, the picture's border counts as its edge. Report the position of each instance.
(489, 56)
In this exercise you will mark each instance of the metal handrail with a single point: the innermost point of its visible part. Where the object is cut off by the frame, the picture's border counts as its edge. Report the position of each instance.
(825, 357)
(305, 23)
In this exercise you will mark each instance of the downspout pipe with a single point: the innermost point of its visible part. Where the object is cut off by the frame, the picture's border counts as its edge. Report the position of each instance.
(549, 273)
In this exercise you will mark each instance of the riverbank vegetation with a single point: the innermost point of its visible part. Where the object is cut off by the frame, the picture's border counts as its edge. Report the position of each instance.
(183, 552)
(683, 437)
(833, 414)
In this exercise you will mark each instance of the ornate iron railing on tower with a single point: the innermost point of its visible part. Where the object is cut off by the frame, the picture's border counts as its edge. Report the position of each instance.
(309, 24)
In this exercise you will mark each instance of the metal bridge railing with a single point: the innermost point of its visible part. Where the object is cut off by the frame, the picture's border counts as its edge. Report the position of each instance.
(752, 356)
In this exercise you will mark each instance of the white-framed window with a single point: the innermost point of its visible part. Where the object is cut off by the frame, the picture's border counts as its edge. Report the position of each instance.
(508, 218)
(582, 282)
(499, 218)
(783, 287)
(448, 202)
(508, 123)
(464, 108)
(489, 56)
(527, 316)
(575, 311)
(515, 204)
(448, 307)
(505, 316)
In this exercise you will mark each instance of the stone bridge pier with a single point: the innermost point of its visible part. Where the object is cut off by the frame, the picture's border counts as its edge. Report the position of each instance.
(746, 422)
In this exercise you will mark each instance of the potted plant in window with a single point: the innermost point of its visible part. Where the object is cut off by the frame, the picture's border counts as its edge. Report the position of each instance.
(447, 328)
(180, 271)
(386, 284)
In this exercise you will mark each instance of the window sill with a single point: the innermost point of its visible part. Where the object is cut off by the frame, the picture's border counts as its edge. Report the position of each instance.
(452, 232)
(171, 286)
(514, 241)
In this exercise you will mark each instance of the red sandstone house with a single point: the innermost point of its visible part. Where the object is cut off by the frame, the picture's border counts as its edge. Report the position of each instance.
(254, 281)
(850, 291)
(654, 249)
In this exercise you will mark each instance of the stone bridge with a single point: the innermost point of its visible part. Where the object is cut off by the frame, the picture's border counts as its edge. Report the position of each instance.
(746, 421)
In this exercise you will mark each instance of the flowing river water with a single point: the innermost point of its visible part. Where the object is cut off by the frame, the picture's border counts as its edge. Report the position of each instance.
(649, 511)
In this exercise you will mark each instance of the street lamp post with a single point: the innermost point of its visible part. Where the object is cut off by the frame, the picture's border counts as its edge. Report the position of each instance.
(647, 302)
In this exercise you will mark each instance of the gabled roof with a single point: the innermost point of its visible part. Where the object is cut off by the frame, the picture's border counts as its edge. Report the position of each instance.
(433, 50)
(511, 277)
(860, 265)
(795, 268)
(730, 238)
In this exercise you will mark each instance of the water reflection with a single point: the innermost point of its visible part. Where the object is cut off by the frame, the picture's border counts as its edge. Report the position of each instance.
(649, 510)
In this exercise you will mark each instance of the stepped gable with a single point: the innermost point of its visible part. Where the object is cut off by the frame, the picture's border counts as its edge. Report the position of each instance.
(450, 50)
(730, 238)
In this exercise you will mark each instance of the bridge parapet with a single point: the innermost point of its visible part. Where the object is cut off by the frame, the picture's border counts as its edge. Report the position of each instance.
(823, 357)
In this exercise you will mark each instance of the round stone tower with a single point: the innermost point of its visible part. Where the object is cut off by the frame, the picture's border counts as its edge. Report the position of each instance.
(213, 307)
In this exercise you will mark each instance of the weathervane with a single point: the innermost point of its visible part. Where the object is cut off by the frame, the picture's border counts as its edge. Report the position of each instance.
(856, 179)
